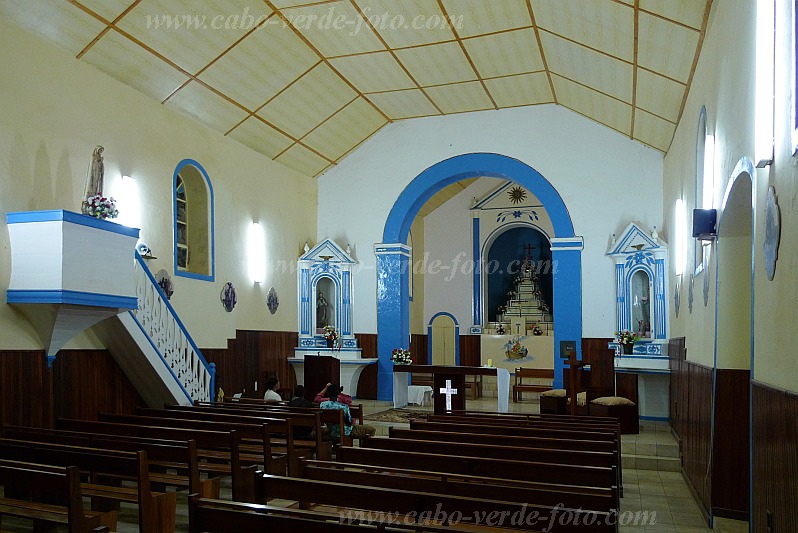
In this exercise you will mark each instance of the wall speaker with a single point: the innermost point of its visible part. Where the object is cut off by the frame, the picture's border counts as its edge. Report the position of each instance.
(704, 224)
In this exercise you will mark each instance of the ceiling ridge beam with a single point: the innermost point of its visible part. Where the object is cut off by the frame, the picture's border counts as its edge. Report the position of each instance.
(542, 53)
(323, 58)
(395, 57)
(467, 56)
(634, 67)
(698, 47)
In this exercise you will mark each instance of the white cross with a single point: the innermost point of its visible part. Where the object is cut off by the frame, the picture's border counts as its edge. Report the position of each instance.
(449, 392)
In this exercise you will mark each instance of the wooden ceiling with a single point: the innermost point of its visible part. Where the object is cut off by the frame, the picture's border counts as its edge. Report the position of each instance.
(306, 82)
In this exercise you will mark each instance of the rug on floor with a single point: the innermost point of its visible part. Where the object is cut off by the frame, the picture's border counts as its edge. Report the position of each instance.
(395, 415)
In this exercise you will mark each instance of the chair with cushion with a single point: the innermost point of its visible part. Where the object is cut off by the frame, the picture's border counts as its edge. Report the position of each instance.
(624, 409)
(554, 402)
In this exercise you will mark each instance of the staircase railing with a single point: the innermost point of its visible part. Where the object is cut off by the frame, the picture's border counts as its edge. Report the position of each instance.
(168, 335)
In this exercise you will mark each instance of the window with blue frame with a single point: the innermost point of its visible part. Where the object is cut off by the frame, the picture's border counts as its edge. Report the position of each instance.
(193, 222)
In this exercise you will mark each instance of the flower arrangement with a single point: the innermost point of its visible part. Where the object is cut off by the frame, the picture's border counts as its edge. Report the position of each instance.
(101, 207)
(627, 337)
(329, 333)
(400, 356)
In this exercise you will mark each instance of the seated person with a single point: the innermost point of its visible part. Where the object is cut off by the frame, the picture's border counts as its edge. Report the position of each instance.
(356, 431)
(324, 395)
(271, 390)
(298, 399)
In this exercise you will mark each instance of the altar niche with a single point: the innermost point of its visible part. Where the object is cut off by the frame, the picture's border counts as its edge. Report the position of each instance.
(324, 290)
(640, 258)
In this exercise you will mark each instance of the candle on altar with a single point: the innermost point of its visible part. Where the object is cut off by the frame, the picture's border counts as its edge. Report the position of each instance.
(490, 362)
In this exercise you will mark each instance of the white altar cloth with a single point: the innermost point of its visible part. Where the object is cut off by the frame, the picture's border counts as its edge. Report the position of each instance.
(418, 394)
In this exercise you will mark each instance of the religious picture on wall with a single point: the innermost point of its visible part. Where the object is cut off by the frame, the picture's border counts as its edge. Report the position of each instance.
(321, 310)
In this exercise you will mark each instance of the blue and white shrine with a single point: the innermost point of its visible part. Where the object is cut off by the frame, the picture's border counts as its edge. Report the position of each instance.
(325, 294)
(641, 286)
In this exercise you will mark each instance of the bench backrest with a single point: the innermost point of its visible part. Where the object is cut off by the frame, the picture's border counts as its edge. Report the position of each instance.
(62, 482)
(533, 373)
(504, 440)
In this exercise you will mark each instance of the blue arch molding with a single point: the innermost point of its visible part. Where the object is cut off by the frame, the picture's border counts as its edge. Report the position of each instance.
(456, 336)
(392, 254)
(183, 273)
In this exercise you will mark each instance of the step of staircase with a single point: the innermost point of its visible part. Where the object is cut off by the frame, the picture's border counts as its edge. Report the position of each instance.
(653, 449)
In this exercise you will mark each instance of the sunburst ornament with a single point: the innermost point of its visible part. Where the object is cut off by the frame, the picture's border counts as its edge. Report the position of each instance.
(517, 195)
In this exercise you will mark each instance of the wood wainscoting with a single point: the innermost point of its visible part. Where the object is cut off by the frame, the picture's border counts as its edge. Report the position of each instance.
(775, 459)
(79, 385)
(718, 471)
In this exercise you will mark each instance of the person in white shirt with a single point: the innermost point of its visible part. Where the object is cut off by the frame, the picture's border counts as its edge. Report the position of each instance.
(272, 385)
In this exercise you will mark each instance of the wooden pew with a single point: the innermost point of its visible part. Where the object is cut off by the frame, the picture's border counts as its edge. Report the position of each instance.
(220, 449)
(495, 451)
(284, 445)
(280, 423)
(539, 416)
(563, 474)
(161, 454)
(531, 373)
(585, 424)
(529, 428)
(591, 498)
(156, 509)
(62, 483)
(355, 409)
(214, 516)
(308, 491)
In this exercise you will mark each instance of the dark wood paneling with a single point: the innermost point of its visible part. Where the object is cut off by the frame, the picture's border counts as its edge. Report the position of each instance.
(470, 350)
(602, 365)
(87, 382)
(775, 459)
(418, 347)
(730, 471)
(367, 384)
(25, 390)
(626, 386)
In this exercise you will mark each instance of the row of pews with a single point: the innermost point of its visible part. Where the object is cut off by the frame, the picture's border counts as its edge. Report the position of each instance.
(120, 458)
(452, 472)
(456, 471)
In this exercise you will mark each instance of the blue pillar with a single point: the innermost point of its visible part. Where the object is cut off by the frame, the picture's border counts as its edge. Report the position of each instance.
(393, 310)
(566, 260)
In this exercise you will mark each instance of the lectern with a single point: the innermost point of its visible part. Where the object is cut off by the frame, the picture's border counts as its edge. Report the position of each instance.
(320, 370)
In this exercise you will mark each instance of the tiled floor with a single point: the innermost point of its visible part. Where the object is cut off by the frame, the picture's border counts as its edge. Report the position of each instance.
(649, 491)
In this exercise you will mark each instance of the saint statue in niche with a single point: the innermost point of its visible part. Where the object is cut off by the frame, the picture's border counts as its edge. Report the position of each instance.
(321, 310)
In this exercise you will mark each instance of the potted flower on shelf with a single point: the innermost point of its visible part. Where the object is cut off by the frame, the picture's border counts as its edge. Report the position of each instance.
(627, 340)
(400, 356)
(330, 335)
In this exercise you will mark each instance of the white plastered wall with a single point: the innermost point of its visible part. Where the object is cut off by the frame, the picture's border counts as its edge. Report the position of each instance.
(55, 109)
(596, 171)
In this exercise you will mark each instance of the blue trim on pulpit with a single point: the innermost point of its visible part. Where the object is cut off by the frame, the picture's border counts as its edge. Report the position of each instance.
(93, 299)
(56, 215)
(392, 295)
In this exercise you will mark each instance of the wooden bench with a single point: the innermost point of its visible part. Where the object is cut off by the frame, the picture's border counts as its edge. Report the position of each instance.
(563, 474)
(105, 468)
(405, 502)
(281, 427)
(218, 450)
(63, 483)
(591, 498)
(161, 454)
(214, 516)
(531, 373)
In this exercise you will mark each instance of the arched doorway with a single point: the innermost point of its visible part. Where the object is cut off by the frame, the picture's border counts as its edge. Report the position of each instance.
(734, 321)
(444, 340)
(393, 254)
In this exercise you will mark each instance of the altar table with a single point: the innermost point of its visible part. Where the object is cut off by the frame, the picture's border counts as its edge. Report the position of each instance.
(449, 381)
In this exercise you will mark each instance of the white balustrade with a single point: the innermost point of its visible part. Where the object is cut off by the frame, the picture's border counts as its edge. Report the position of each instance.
(160, 322)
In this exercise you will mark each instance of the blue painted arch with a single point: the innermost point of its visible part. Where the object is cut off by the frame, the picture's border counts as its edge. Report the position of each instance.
(466, 166)
(392, 260)
(211, 229)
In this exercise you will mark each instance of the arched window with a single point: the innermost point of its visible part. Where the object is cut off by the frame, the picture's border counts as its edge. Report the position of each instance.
(193, 222)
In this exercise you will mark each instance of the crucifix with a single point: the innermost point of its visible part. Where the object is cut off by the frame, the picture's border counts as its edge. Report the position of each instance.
(449, 392)
(529, 249)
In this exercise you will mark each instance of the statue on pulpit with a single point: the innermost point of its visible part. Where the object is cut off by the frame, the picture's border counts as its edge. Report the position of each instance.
(321, 310)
